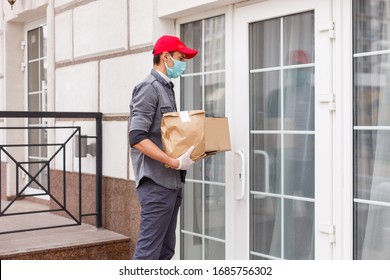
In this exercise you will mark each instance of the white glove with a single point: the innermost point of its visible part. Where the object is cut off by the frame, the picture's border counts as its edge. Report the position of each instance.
(184, 160)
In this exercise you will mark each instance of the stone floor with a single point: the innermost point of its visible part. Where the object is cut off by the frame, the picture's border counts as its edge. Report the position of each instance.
(40, 240)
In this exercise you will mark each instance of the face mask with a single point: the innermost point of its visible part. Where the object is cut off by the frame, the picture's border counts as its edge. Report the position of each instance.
(303, 76)
(176, 70)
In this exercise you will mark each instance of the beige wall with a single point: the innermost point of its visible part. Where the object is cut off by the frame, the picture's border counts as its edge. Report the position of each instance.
(98, 50)
(102, 50)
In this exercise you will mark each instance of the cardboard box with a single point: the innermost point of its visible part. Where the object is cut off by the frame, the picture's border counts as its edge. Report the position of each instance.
(217, 135)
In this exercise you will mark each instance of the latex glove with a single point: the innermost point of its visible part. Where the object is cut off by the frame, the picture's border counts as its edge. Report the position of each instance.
(184, 160)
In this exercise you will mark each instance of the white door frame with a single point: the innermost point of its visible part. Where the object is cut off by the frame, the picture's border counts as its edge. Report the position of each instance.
(343, 134)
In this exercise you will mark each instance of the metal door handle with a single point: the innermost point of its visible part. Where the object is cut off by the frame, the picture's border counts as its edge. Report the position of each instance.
(241, 175)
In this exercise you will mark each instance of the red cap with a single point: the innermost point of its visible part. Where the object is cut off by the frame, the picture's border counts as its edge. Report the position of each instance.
(168, 43)
(300, 56)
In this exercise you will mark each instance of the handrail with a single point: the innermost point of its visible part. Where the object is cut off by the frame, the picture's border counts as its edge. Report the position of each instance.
(49, 114)
(99, 147)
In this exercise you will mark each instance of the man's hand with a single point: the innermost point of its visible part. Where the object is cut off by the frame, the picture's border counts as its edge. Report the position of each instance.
(184, 160)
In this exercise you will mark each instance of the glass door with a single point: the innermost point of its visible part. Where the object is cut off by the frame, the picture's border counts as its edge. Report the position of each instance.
(202, 215)
(371, 131)
(282, 131)
(37, 101)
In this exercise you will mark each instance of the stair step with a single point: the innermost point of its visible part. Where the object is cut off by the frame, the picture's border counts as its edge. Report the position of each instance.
(82, 242)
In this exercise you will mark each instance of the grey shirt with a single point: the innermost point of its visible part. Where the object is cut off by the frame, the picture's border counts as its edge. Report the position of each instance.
(152, 98)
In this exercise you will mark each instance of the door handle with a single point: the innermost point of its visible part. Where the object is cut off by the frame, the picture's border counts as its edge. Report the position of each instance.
(266, 163)
(241, 175)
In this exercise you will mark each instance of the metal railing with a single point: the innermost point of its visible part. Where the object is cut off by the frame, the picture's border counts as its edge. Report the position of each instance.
(45, 165)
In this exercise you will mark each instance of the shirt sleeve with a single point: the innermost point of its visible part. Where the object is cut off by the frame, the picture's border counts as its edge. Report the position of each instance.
(143, 107)
(137, 136)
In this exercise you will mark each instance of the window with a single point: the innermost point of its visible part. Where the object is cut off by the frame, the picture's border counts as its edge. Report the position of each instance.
(203, 87)
(371, 130)
(36, 91)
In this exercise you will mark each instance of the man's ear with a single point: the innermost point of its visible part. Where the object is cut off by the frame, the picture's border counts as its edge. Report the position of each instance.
(164, 56)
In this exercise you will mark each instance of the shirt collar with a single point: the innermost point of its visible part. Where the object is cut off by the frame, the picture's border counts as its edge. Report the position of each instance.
(162, 78)
(163, 75)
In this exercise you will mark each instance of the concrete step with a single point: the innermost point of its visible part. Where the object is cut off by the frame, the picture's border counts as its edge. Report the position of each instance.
(82, 242)
(76, 242)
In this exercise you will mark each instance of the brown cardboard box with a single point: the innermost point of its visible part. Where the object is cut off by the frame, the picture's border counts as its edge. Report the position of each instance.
(217, 135)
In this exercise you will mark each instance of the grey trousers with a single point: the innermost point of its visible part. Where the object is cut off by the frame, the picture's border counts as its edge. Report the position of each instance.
(159, 209)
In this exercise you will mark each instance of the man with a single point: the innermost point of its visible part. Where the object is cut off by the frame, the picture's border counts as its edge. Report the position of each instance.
(159, 178)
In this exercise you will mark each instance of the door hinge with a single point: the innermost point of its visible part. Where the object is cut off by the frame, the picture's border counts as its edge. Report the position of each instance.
(22, 45)
(330, 230)
(328, 98)
(330, 27)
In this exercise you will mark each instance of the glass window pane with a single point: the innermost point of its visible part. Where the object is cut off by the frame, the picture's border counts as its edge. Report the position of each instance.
(265, 101)
(299, 165)
(191, 247)
(33, 44)
(265, 163)
(266, 221)
(371, 25)
(298, 39)
(191, 35)
(33, 77)
(215, 95)
(191, 93)
(214, 211)
(299, 230)
(372, 165)
(372, 90)
(258, 258)
(371, 232)
(214, 43)
(264, 44)
(34, 104)
(43, 44)
(215, 168)
(43, 140)
(299, 99)
(195, 171)
(191, 210)
(33, 136)
(214, 250)
(43, 77)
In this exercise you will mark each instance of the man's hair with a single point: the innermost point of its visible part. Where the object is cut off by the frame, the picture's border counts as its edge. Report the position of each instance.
(156, 58)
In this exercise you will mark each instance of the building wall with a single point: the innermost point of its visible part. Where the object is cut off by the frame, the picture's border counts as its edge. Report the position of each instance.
(97, 51)
(102, 50)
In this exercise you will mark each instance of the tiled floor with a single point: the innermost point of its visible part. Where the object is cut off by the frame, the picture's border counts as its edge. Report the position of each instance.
(44, 239)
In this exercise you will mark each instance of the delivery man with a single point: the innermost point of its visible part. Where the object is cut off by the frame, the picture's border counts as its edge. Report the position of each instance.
(159, 178)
